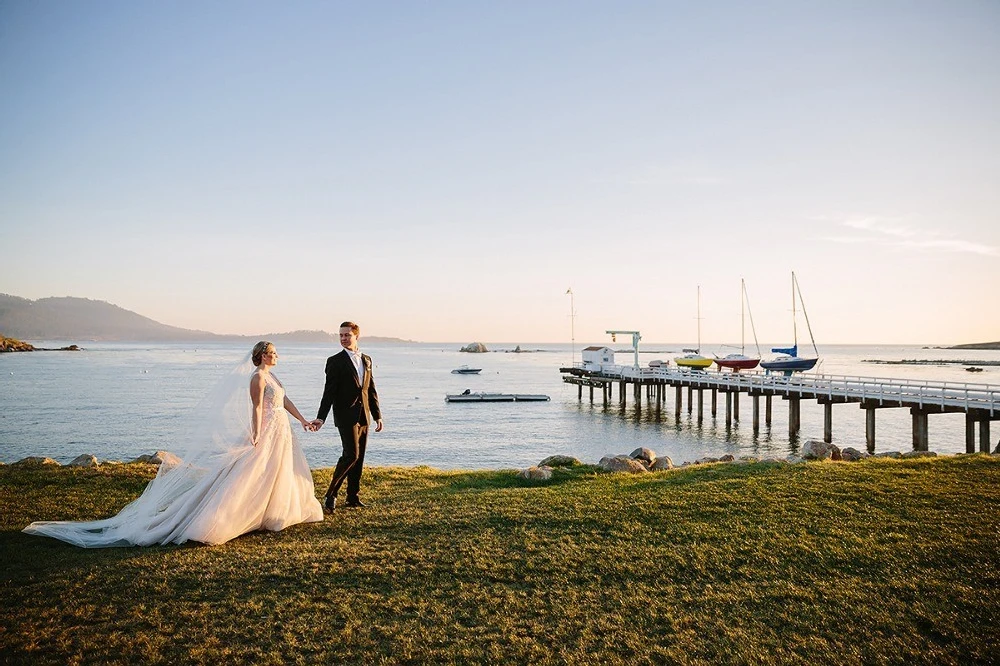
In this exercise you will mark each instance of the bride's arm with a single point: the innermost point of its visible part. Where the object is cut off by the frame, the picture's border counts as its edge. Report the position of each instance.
(257, 398)
(293, 410)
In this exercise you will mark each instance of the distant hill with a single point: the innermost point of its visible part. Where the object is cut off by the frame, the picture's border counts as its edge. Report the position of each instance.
(977, 345)
(82, 319)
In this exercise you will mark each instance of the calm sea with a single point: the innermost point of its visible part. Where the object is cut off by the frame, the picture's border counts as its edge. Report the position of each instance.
(117, 401)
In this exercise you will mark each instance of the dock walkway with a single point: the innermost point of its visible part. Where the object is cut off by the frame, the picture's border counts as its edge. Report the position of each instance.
(979, 402)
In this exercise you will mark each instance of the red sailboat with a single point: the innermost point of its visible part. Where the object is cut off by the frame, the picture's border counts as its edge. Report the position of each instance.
(741, 361)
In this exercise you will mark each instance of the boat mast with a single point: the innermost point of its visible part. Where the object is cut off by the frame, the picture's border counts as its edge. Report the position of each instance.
(795, 284)
(698, 351)
(743, 346)
(795, 329)
(753, 328)
(572, 329)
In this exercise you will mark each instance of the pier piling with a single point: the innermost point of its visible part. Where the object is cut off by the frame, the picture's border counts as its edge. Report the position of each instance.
(978, 402)
(870, 428)
(920, 435)
(794, 415)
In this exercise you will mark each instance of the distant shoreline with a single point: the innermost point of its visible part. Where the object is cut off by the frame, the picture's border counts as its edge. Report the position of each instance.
(975, 345)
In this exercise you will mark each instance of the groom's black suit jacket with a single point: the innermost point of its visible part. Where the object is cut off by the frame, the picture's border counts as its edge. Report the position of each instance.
(351, 399)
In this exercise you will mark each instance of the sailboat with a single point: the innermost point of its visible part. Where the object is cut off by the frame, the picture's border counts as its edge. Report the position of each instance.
(788, 359)
(692, 359)
(741, 361)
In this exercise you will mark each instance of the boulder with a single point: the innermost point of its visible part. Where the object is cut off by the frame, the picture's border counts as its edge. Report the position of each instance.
(158, 458)
(661, 464)
(919, 454)
(889, 454)
(474, 348)
(622, 464)
(560, 461)
(539, 473)
(647, 456)
(36, 461)
(851, 454)
(815, 449)
(706, 460)
(727, 458)
(86, 460)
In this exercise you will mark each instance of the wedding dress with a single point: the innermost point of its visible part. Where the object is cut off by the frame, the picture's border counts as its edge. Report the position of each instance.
(222, 488)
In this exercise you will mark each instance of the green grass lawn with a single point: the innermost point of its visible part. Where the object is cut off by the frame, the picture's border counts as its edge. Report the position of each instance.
(880, 562)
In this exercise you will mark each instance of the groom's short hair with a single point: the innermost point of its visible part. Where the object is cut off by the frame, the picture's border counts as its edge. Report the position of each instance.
(355, 329)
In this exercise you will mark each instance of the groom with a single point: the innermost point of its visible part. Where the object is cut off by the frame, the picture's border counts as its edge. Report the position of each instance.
(350, 392)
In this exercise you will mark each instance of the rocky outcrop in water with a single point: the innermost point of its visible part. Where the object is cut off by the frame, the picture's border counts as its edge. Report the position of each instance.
(14, 345)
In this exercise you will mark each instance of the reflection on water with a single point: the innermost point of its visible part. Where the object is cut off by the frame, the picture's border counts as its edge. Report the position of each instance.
(119, 401)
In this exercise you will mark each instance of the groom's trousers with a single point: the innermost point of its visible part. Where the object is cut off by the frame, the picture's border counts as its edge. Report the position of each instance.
(354, 437)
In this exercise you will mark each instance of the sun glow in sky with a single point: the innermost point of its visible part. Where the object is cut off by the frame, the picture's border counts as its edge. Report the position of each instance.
(444, 171)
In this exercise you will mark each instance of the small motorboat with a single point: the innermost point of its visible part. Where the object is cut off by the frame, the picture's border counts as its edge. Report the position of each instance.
(466, 370)
(973, 368)
(469, 396)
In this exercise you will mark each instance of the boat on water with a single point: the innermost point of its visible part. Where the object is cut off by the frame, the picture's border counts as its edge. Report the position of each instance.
(692, 358)
(741, 361)
(973, 368)
(469, 396)
(788, 359)
(466, 370)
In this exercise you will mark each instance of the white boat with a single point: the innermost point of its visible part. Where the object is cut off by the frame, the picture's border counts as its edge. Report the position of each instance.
(469, 396)
(466, 370)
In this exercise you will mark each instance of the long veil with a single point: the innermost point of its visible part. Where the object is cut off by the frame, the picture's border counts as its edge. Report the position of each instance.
(219, 432)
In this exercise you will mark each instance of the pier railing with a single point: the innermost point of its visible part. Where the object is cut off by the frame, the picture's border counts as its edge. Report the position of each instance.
(880, 390)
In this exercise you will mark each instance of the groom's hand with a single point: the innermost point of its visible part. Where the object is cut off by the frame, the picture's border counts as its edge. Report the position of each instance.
(316, 424)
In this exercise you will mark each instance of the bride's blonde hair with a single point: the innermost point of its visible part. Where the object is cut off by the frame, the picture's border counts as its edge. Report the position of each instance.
(259, 350)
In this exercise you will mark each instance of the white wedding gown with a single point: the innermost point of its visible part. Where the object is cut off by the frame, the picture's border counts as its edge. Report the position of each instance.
(268, 486)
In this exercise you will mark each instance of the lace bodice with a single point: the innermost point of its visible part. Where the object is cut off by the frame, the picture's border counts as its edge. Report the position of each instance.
(274, 393)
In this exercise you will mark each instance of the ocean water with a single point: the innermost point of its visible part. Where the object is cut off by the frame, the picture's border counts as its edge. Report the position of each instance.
(117, 401)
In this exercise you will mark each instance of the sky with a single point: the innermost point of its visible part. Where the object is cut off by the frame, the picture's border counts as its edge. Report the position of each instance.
(448, 171)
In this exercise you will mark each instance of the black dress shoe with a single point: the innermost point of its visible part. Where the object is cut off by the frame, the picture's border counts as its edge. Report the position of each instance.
(330, 504)
(356, 503)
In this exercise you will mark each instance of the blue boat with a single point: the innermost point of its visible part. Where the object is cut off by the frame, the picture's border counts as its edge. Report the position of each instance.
(788, 359)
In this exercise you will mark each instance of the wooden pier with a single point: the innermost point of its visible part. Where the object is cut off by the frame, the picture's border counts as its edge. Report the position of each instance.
(979, 402)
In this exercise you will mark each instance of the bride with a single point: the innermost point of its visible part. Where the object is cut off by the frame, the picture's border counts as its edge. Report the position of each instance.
(240, 470)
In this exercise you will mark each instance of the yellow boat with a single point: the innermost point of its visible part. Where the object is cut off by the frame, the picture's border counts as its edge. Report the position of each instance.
(692, 358)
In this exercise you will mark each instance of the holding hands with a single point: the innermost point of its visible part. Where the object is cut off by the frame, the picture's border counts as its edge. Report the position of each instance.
(312, 426)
